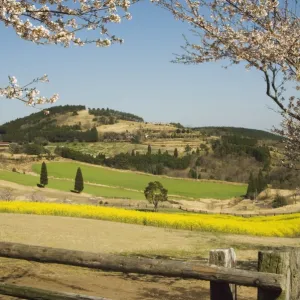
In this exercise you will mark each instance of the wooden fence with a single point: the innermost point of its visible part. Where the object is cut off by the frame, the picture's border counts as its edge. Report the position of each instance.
(277, 276)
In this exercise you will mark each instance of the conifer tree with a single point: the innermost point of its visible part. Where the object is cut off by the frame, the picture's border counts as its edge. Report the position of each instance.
(94, 135)
(44, 175)
(79, 181)
(261, 182)
(149, 149)
(251, 191)
(132, 152)
(159, 152)
(175, 152)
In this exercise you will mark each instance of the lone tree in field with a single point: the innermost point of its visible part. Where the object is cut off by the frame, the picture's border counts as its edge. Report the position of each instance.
(44, 175)
(262, 35)
(149, 149)
(155, 193)
(78, 187)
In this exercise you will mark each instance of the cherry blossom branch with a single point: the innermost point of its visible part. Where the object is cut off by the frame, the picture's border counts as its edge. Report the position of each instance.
(28, 95)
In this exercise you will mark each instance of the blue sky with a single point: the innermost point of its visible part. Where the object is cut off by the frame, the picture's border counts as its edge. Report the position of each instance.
(138, 77)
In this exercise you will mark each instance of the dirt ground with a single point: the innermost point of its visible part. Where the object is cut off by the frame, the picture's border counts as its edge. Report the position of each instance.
(127, 239)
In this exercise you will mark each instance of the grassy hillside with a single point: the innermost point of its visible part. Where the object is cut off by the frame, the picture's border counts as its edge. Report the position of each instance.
(131, 180)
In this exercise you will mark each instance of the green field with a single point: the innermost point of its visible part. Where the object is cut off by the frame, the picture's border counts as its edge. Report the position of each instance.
(67, 185)
(131, 180)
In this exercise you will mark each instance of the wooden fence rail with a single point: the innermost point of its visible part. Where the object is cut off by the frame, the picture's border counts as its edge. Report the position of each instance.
(276, 278)
(26, 292)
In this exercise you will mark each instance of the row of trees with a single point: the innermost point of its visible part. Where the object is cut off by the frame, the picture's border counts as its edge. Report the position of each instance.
(51, 133)
(150, 163)
(187, 149)
(78, 185)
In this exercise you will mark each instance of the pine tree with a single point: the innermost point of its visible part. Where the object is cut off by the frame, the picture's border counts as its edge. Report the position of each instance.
(252, 189)
(44, 175)
(198, 151)
(175, 152)
(94, 135)
(261, 182)
(159, 152)
(149, 149)
(79, 181)
(132, 152)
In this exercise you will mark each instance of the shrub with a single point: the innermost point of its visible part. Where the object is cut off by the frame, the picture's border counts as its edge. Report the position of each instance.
(34, 149)
(14, 169)
(279, 201)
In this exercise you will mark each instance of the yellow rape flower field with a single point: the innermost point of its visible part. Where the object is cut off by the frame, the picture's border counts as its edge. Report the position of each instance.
(276, 226)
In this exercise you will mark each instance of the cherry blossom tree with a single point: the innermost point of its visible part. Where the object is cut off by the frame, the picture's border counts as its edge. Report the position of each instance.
(260, 34)
(62, 23)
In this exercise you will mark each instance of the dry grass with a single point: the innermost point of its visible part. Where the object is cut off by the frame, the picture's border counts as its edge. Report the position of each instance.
(87, 122)
(130, 126)
(111, 237)
(101, 236)
(68, 119)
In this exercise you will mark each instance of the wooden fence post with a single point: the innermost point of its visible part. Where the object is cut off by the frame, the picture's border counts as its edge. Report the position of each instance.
(278, 262)
(222, 258)
(295, 275)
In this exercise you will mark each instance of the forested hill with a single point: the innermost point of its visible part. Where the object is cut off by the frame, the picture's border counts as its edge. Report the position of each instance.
(238, 131)
(63, 123)
(76, 122)
(39, 118)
